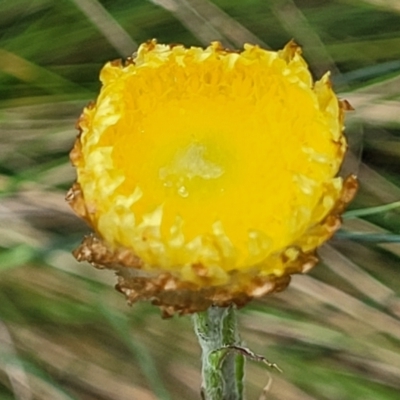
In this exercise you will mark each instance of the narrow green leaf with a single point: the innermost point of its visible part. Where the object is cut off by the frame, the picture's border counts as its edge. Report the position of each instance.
(369, 237)
(16, 256)
(371, 210)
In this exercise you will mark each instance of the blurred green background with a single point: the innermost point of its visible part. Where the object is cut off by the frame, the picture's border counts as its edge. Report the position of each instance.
(66, 334)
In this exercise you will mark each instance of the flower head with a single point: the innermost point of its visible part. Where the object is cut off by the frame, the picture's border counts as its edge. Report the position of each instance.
(208, 175)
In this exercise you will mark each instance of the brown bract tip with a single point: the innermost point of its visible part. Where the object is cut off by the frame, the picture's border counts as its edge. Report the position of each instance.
(174, 296)
(345, 105)
(76, 201)
(290, 50)
(96, 252)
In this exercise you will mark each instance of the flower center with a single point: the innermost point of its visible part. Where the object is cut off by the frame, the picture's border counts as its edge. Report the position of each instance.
(186, 166)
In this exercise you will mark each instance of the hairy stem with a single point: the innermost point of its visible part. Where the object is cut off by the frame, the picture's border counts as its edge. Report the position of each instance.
(222, 369)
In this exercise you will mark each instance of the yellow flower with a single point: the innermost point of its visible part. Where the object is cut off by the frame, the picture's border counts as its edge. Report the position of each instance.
(209, 175)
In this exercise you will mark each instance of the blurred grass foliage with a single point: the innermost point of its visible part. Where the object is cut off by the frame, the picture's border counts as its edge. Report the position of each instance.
(66, 334)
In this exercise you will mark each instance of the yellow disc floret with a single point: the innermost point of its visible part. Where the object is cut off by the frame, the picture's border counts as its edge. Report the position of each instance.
(217, 168)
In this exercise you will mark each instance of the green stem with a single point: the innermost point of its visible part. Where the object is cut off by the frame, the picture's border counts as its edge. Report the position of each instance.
(222, 369)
